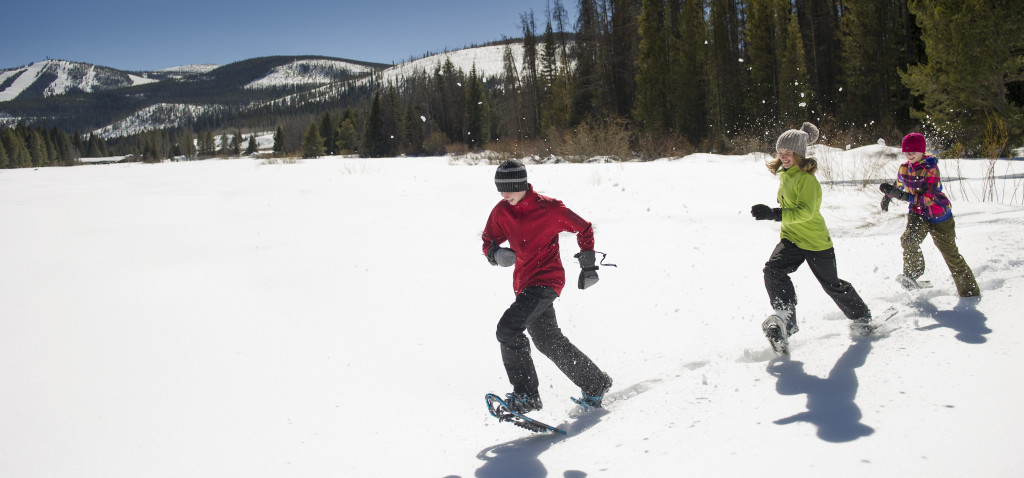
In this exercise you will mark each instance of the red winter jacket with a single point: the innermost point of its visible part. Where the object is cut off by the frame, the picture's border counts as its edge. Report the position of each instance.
(531, 228)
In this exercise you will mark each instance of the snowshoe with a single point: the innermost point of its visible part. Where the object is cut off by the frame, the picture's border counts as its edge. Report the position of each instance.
(776, 331)
(909, 283)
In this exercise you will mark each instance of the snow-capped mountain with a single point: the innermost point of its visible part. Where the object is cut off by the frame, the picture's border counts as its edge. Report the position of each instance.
(49, 78)
(115, 103)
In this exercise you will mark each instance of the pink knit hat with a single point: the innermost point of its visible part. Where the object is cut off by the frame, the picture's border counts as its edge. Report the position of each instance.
(913, 143)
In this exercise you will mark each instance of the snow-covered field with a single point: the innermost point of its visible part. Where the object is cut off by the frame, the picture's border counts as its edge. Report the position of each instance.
(335, 317)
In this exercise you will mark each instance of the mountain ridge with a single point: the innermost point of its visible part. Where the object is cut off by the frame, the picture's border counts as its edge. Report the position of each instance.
(79, 96)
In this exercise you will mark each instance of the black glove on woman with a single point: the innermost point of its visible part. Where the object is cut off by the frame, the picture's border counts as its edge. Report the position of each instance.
(763, 213)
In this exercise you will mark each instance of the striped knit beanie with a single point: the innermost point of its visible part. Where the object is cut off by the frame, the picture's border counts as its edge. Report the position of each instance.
(510, 177)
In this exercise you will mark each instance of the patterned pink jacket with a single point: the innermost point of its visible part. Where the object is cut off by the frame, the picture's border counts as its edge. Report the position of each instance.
(923, 183)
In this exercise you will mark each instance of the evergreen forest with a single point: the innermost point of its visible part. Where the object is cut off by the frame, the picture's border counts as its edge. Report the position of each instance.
(644, 79)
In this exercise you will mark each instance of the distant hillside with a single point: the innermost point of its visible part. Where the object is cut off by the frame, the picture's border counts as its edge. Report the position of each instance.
(84, 97)
(88, 98)
(51, 78)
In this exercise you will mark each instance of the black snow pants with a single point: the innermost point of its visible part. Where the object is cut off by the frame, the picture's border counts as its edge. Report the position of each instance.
(533, 312)
(785, 260)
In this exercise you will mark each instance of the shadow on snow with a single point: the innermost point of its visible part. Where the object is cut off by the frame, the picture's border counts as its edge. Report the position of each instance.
(965, 319)
(521, 457)
(830, 401)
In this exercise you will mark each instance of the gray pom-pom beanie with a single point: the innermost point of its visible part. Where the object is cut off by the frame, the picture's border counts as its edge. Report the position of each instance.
(796, 140)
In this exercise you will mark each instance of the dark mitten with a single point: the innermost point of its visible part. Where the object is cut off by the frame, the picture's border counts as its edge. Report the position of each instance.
(894, 192)
(763, 213)
(885, 202)
(588, 276)
(501, 256)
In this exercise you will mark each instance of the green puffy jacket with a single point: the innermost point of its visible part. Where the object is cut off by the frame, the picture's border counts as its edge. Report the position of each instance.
(800, 199)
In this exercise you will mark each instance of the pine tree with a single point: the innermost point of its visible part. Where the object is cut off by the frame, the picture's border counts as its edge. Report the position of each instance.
(312, 142)
(188, 145)
(874, 49)
(347, 141)
(149, 150)
(279, 146)
(726, 76)
(588, 86)
(253, 147)
(477, 127)
(689, 72)
(236, 144)
(624, 47)
(819, 27)
(65, 153)
(374, 144)
(413, 129)
(793, 79)
(548, 74)
(77, 143)
(763, 38)
(974, 48)
(652, 111)
(561, 17)
(51, 149)
(5, 161)
(327, 128)
(225, 145)
(529, 81)
(17, 151)
(450, 105)
(509, 100)
(207, 144)
(37, 149)
(391, 120)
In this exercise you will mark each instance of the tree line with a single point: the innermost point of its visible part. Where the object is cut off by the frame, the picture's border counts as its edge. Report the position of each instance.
(32, 147)
(675, 75)
(729, 75)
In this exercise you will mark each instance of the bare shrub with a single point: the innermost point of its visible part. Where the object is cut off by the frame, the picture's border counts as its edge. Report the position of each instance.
(511, 148)
(436, 144)
(457, 149)
(739, 144)
(278, 160)
(602, 138)
(655, 145)
(996, 139)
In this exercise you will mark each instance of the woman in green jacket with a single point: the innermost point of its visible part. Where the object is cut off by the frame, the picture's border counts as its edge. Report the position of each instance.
(805, 238)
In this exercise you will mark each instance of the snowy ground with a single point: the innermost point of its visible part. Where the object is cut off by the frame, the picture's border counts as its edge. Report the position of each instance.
(335, 317)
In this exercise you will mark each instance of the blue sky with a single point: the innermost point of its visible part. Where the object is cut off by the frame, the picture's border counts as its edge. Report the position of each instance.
(134, 35)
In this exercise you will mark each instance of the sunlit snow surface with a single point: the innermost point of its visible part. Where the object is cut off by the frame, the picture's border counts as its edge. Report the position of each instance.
(335, 317)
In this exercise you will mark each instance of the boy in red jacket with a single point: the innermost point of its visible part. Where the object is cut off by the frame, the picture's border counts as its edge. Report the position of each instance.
(531, 224)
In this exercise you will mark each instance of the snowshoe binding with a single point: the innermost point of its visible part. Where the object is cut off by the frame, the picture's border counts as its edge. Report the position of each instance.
(595, 400)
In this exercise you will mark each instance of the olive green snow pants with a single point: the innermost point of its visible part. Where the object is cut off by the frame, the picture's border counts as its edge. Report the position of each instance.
(944, 237)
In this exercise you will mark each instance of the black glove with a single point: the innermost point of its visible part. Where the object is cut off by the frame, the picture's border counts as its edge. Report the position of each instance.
(588, 276)
(885, 202)
(762, 212)
(894, 192)
(501, 256)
